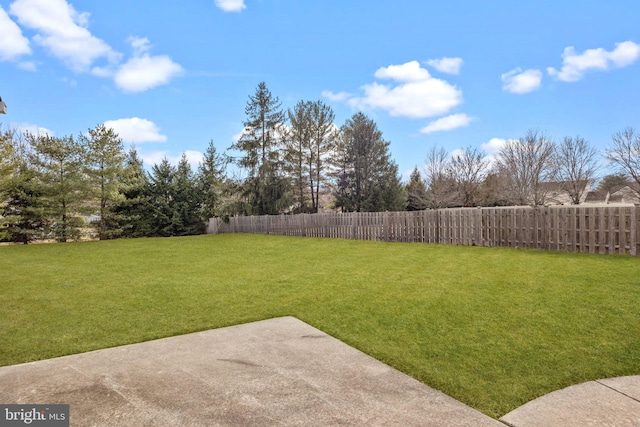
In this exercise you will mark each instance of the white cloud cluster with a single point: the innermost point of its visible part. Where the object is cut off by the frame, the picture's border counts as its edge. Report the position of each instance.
(136, 130)
(451, 122)
(143, 71)
(520, 82)
(230, 5)
(412, 92)
(575, 65)
(63, 32)
(13, 44)
(446, 65)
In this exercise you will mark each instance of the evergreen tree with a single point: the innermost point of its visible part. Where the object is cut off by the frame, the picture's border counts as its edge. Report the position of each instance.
(7, 171)
(416, 192)
(133, 210)
(161, 190)
(105, 157)
(613, 182)
(369, 181)
(266, 187)
(58, 163)
(187, 202)
(22, 217)
(210, 177)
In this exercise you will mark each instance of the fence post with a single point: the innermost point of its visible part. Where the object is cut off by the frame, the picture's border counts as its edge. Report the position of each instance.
(634, 245)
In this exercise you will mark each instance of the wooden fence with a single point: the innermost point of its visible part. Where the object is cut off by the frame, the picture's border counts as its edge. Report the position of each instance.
(590, 229)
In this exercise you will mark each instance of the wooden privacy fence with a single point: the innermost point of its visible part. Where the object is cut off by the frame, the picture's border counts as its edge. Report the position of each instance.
(592, 229)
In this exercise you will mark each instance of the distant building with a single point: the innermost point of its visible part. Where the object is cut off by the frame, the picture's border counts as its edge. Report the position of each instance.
(556, 192)
(626, 194)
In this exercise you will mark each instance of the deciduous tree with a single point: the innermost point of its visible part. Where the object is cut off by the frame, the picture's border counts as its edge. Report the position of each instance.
(441, 185)
(469, 167)
(528, 162)
(624, 154)
(310, 143)
(575, 164)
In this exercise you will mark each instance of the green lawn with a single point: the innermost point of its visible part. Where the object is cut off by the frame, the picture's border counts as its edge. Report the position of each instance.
(491, 327)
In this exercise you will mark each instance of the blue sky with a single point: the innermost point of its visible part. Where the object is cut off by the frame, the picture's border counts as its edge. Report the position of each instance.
(171, 75)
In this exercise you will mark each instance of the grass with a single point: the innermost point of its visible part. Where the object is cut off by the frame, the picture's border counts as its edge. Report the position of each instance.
(493, 328)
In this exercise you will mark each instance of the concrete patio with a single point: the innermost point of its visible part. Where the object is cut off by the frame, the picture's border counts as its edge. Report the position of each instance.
(277, 372)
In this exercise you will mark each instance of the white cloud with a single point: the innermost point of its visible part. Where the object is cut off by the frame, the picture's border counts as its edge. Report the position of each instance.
(140, 45)
(194, 158)
(520, 82)
(408, 72)
(27, 65)
(146, 72)
(12, 43)
(494, 145)
(230, 5)
(575, 65)
(143, 71)
(63, 31)
(136, 130)
(448, 123)
(32, 129)
(340, 96)
(236, 137)
(414, 93)
(492, 148)
(446, 65)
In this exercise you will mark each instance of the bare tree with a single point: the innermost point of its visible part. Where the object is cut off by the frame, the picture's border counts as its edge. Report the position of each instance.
(624, 153)
(575, 166)
(528, 162)
(469, 168)
(441, 186)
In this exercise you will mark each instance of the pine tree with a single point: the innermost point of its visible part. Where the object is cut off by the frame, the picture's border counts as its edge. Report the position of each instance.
(266, 187)
(187, 201)
(161, 199)
(369, 181)
(210, 177)
(416, 192)
(58, 163)
(22, 216)
(105, 157)
(133, 210)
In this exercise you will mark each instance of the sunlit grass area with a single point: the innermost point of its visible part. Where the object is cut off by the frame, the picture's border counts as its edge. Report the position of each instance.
(491, 327)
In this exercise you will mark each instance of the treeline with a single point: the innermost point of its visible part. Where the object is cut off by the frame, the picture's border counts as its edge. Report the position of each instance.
(293, 161)
(55, 188)
(532, 170)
